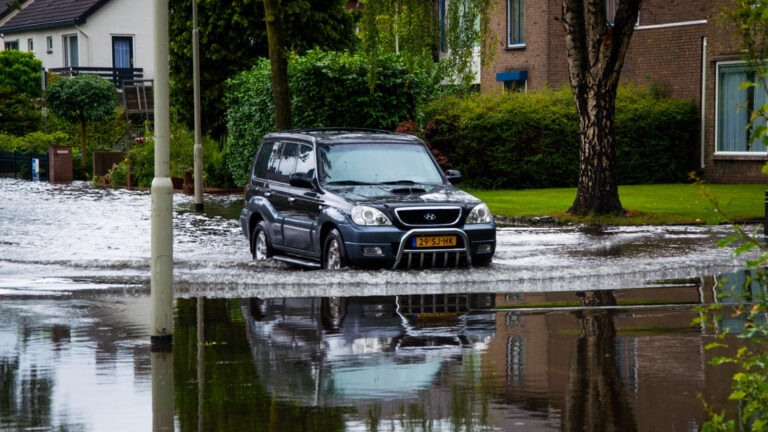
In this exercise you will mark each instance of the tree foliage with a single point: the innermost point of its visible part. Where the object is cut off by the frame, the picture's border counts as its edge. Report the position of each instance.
(233, 38)
(416, 30)
(83, 98)
(20, 72)
(19, 114)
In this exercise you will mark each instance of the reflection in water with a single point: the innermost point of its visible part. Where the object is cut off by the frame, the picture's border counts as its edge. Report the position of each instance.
(596, 399)
(418, 362)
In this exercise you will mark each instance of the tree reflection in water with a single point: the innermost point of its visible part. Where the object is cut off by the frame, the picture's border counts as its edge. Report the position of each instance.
(596, 399)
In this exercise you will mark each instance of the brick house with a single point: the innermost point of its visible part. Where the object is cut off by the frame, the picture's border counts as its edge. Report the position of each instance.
(678, 44)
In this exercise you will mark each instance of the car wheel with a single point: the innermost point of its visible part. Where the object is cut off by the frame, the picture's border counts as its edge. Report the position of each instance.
(260, 243)
(334, 257)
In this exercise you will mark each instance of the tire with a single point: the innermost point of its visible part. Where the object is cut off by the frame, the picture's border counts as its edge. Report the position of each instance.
(260, 246)
(334, 255)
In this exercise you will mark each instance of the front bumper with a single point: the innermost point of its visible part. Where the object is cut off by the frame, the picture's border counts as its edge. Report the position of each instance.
(397, 251)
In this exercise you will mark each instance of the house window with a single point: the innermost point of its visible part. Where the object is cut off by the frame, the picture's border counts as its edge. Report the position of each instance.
(49, 44)
(30, 45)
(734, 106)
(514, 81)
(516, 22)
(515, 86)
(12, 45)
(71, 58)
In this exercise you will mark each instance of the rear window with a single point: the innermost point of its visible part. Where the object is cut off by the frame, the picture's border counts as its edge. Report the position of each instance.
(262, 160)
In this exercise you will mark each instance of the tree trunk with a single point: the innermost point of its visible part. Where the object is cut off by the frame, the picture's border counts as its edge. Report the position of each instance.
(595, 50)
(83, 142)
(278, 65)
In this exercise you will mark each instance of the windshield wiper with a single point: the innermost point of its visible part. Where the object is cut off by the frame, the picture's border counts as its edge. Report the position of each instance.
(348, 183)
(398, 182)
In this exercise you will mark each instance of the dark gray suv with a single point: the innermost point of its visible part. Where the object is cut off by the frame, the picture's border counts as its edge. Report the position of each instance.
(369, 198)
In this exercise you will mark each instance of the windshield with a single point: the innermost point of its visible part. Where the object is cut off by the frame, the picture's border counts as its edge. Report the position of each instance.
(378, 164)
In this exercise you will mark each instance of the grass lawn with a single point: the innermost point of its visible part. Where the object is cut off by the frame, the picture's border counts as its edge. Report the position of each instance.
(647, 204)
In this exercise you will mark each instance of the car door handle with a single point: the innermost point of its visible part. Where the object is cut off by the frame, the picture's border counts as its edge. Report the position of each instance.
(267, 194)
(291, 199)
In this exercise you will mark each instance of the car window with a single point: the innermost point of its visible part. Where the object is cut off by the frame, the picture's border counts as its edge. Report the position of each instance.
(306, 161)
(274, 160)
(286, 162)
(262, 160)
(376, 163)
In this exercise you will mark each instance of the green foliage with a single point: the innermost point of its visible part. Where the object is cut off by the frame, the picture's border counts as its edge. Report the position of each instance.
(82, 97)
(531, 140)
(35, 142)
(19, 114)
(100, 135)
(327, 89)
(233, 38)
(20, 72)
(750, 384)
(413, 29)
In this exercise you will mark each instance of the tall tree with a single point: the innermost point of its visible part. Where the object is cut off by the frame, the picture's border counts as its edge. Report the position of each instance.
(233, 38)
(596, 48)
(278, 64)
(81, 99)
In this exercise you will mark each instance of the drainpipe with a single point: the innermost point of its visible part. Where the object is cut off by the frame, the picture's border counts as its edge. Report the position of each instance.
(703, 100)
(87, 45)
(161, 321)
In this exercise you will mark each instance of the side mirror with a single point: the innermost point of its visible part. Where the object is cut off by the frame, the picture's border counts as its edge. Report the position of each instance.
(453, 176)
(302, 180)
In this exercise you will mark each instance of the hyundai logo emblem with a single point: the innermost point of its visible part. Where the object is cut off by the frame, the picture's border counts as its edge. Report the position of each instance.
(430, 216)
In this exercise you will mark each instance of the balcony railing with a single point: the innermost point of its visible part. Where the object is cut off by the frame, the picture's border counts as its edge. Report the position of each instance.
(115, 75)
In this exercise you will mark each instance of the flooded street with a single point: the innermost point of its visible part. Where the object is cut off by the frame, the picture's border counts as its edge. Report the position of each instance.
(571, 328)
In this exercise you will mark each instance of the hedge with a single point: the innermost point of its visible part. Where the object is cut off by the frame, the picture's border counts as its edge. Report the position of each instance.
(327, 89)
(532, 140)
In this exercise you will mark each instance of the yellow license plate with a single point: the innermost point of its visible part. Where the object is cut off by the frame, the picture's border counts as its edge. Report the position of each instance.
(431, 242)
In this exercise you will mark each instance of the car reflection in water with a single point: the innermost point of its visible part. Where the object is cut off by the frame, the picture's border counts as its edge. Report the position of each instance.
(331, 351)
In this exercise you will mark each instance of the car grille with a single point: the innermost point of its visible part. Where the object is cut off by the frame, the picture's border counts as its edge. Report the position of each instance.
(428, 216)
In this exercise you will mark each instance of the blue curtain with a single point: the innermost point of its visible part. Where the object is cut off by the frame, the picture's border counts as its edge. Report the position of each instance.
(732, 112)
(122, 49)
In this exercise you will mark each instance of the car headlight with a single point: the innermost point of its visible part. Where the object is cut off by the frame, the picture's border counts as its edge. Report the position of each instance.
(364, 215)
(479, 214)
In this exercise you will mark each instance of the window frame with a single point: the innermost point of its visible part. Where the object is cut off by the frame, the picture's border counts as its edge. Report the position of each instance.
(49, 44)
(31, 44)
(67, 49)
(716, 140)
(8, 45)
(521, 10)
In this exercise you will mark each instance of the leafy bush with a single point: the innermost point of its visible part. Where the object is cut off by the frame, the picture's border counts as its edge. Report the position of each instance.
(19, 114)
(35, 142)
(532, 140)
(327, 89)
(20, 72)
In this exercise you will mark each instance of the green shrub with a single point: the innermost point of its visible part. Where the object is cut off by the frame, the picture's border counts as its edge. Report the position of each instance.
(532, 140)
(35, 142)
(327, 89)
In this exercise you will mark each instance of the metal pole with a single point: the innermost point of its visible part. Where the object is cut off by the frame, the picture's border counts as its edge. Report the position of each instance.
(161, 360)
(161, 325)
(200, 362)
(196, 86)
(765, 217)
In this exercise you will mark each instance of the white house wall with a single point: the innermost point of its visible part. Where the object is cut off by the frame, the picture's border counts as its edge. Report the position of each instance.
(94, 38)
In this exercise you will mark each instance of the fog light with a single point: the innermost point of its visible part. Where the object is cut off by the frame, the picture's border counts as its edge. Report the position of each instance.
(372, 251)
(484, 248)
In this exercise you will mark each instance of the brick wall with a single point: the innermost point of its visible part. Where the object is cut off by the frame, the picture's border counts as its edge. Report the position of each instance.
(59, 164)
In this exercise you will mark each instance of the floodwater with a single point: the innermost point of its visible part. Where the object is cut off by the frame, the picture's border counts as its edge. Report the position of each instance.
(570, 328)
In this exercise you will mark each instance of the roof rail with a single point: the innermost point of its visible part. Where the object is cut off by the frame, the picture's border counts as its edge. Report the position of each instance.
(336, 129)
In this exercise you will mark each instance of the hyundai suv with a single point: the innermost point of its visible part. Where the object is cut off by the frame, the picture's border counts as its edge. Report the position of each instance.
(337, 197)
